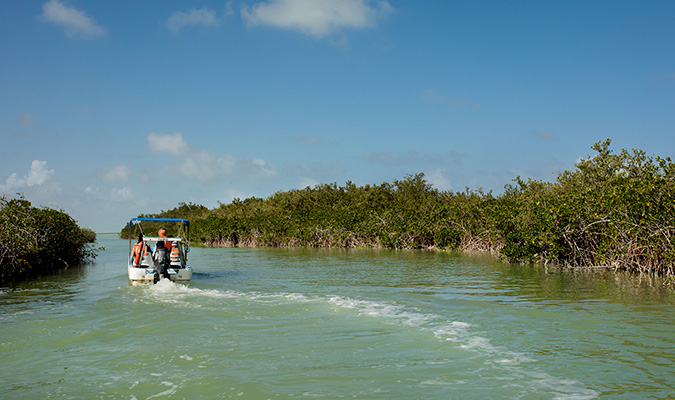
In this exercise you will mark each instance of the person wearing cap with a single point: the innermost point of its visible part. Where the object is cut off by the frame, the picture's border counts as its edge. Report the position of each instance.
(161, 255)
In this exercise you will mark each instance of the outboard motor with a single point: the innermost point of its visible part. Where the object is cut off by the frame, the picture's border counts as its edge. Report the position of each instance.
(162, 260)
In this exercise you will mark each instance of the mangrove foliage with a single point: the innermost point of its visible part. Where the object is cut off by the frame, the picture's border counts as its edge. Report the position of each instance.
(38, 240)
(612, 210)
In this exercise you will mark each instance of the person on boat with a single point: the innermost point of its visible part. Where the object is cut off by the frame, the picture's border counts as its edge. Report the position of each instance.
(137, 251)
(162, 233)
(162, 260)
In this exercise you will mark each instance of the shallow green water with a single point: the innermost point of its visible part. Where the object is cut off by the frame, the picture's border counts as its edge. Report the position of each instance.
(304, 323)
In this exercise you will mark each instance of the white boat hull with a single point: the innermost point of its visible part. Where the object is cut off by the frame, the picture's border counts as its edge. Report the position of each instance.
(152, 256)
(146, 275)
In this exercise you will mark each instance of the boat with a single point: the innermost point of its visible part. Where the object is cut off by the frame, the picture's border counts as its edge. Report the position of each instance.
(161, 257)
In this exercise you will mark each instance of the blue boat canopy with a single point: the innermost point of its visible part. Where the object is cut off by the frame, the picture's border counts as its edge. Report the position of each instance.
(137, 220)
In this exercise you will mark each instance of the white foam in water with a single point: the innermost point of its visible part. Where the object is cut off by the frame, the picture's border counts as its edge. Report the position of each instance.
(167, 291)
(386, 310)
(168, 392)
(456, 332)
(453, 331)
(459, 332)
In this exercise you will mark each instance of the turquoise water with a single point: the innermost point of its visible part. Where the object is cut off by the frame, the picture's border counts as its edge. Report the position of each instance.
(312, 323)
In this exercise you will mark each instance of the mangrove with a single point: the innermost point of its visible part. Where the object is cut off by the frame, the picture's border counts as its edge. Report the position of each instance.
(37, 240)
(614, 210)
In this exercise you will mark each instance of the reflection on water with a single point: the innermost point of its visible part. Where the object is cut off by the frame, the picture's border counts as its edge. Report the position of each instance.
(550, 283)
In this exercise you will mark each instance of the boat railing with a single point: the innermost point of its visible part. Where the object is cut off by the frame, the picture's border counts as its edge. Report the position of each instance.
(162, 239)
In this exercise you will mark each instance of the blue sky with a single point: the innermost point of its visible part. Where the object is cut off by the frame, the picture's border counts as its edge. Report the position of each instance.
(111, 109)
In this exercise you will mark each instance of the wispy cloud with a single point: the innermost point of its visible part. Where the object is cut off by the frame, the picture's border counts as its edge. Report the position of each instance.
(195, 17)
(311, 174)
(25, 120)
(435, 97)
(116, 173)
(311, 140)
(440, 179)
(384, 158)
(205, 165)
(74, 22)
(543, 134)
(24, 124)
(318, 18)
(665, 78)
(125, 193)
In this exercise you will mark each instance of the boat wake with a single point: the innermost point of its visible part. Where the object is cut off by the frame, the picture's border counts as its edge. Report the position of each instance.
(461, 335)
(171, 292)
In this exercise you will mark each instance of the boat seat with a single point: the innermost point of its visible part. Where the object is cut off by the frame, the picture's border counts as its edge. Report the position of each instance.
(147, 262)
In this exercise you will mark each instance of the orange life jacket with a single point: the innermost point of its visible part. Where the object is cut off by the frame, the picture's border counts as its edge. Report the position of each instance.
(138, 248)
(175, 255)
(167, 244)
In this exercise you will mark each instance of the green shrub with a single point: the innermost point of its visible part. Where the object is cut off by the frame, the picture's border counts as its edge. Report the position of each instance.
(39, 239)
(614, 210)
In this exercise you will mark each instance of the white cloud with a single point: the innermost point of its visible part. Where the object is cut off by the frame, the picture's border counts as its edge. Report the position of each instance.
(116, 173)
(74, 21)
(37, 176)
(203, 16)
(318, 18)
(205, 166)
(167, 143)
(307, 182)
(228, 9)
(259, 162)
(13, 183)
(439, 179)
(121, 194)
(38, 173)
(232, 193)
